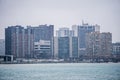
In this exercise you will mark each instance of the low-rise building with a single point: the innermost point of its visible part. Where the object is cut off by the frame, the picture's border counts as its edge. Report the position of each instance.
(42, 49)
(116, 49)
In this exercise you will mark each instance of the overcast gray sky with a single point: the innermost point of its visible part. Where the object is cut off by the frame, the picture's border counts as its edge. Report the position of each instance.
(61, 13)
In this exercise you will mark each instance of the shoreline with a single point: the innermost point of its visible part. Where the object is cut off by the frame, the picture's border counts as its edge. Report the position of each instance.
(51, 62)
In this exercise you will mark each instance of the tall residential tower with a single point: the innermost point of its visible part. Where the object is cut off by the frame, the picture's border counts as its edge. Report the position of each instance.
(19, 41)
(44, 33)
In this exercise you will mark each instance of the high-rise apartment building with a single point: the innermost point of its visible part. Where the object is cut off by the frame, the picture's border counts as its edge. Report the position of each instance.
(43, 32)
(106, 43)
(73, 47)
(65, 44)
(18, 41)
(99, 44)
(82, 31)
(46, 33)
(63, 47)
(93, 47)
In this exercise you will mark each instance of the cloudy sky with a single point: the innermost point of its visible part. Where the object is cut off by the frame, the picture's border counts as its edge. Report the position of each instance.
(61, 13)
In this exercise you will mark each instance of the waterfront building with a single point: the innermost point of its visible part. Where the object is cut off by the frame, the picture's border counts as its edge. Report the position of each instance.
(43, 32)
(42, 49)
(14, 41)
(99, 44)
(46, 33)
(116, 49)
(18, 41)
(106, 44)
(93, 47)
(82, 31)
(65, 44)
(63, 47)
(73, 47)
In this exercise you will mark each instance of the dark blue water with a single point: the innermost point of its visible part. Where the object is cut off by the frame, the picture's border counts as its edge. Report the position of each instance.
(60, 71)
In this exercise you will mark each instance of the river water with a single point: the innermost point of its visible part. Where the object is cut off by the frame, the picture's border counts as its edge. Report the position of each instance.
(60, 71)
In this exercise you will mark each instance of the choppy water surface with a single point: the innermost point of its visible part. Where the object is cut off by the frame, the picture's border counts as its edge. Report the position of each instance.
(60, 71)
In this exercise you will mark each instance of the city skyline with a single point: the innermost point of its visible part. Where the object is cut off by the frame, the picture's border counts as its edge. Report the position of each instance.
(61, 13)
(34, 42)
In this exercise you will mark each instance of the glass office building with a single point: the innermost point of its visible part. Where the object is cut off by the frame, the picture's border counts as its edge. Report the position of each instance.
(63, 47)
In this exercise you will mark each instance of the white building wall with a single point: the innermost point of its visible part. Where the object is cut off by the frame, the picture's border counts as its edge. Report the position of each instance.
(37, 45)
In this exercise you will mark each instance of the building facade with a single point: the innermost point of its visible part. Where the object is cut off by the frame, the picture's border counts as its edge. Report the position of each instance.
(63, 47)
(73, 47)
(82, 31)
(65, 44)
(28, 42)
(18, 41)
(98, 44)
(106, 44)
(93, 47)
(43, 32)
(75, 30)
(63, 32)
(42, 49)
(46, 33)
(116, 50)
(14, 41)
